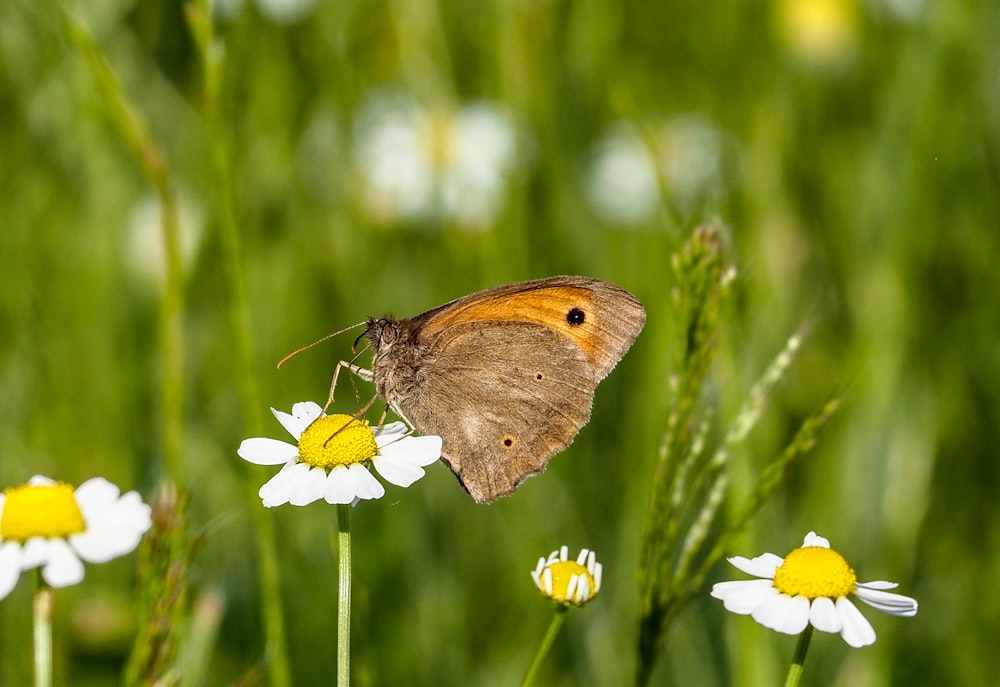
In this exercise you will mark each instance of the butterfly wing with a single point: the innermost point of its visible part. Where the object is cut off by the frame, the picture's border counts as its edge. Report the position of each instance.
(600, 318)
(506, 376)
(501, 407)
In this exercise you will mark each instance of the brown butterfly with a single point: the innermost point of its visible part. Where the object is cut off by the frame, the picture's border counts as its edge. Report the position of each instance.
(506, 376)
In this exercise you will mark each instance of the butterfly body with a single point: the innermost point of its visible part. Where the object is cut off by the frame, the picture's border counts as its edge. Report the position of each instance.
(506, 376)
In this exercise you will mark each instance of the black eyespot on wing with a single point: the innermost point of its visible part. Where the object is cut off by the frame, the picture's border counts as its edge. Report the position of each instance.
(576, 317)
(539, 376)
(508, 441)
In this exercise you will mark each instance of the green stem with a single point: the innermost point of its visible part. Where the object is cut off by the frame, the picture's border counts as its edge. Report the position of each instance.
(43, 632)
(344, 598)
(795, 670)
(543, 648)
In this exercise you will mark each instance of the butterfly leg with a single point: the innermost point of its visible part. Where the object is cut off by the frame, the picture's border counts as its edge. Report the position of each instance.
(366, 375)
(361, 372)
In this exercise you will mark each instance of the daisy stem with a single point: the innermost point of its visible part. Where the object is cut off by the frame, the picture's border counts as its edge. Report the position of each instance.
(795, 670)
(344, 603)
(43, 632)
(543, 648)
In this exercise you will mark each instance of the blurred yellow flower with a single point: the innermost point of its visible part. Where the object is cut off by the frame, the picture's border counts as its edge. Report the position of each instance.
(822, 33)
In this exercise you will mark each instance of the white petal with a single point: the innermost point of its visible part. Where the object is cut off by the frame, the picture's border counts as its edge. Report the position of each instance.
(382, 440)
(365, 484)
(307, 412)
(276, 490)
(40, 480)
(743, 597)
(127, 512)
(34, 553)
(264, 451)
(887, 602)
(397, 471)
(102, 546)
(813, 539)
(857, 631)
(10, 566)
(349, 484)
(63, 567)
(390, 431)
(879, 584)
(784, 613)
(823, 615)
(303, 414)
(95, 493)
(536, 576)
(420, 451)
(288, 421)
(114, 525)
(113, 531)
(308, 488)
(339, 487)
(761, 566)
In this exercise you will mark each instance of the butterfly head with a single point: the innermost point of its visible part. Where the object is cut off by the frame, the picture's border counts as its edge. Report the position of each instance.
(381, 333)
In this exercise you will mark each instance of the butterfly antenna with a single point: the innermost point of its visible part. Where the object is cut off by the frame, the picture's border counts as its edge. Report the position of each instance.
(354, 347)
(319, 341)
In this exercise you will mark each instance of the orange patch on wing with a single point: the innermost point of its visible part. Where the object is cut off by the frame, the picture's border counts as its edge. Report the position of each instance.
(548, 306)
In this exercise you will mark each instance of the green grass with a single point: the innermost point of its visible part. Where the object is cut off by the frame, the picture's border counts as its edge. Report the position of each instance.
(858, 196)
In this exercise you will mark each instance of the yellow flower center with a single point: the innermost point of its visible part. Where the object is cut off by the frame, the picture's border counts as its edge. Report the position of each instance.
(335, 440)
(562, 573)
(815, 571)
(41, 510)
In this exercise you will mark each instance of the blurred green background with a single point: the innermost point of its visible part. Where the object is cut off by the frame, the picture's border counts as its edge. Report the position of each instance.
(389, 156)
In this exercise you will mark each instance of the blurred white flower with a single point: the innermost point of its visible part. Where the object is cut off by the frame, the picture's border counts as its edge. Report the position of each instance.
(285, 11)
(420, 164)
(695, 156)
(905, 11)
(145, 253)
(46, 524)
(622, 181)
(687, 158)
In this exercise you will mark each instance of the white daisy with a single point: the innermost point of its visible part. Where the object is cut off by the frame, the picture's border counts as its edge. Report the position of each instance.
(566, 581)
(421, 163)
(622, 182)
(46, 524)
(809, 586)
(329, 460)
